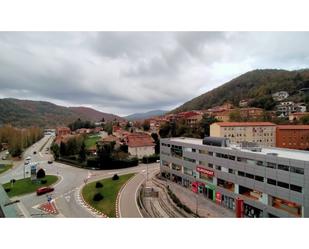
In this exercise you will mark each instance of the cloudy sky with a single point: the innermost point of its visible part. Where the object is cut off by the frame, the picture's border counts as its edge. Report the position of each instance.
(128, 72)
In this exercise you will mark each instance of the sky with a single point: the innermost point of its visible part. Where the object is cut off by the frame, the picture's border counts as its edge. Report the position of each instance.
(129, 72)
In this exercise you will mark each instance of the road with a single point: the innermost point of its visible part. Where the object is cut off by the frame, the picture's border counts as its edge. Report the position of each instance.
(128, 207)
(66, 194)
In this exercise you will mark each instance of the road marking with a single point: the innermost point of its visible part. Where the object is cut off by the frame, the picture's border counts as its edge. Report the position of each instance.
(68, 198)
(139, 185)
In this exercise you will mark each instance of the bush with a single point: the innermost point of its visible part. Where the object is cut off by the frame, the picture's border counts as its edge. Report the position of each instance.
(115, 177)
(98, 197)
(92, 163)
(99, 185)
(150, 159)
(7, 190)
(40, 173)
(43, 181)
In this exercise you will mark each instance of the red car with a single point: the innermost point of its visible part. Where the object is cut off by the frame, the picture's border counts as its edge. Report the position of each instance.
(44, 190)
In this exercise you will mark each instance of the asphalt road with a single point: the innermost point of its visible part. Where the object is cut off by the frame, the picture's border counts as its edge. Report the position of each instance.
(128, 207)
(66, 193)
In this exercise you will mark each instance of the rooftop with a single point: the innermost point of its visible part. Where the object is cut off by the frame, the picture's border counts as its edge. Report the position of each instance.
(293, 127)
(237, 124)
(283, 153)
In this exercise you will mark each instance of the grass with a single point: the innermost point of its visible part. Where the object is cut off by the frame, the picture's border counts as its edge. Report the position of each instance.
(109, 191)
(26, 186)
(91, 141)
(5, 168)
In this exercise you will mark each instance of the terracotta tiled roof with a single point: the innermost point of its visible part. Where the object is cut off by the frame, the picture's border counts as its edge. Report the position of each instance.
(139, 140)
(293, 127)
(236, 124)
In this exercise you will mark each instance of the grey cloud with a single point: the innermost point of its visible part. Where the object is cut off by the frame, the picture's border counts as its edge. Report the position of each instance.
(126, 72)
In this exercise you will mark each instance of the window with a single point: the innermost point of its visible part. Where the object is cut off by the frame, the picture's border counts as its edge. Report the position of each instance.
(176, 151)
(259, 178)
(271, 165)
(250, 176)
(232, 157)
(193, 150)
(210, 165)
(189, 159)
(283, 167)
(260, 163)
(296, 188)
(203, 151)
(218, 167)
(231, 171)
(187, 171)
(283, 185)
(297, 170)
(271, 181)
(241, 173)
(210, 153)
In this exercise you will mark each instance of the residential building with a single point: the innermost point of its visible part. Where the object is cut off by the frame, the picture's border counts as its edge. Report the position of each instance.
(285, 109)
(254, 181)
(292, 136)
(251, 113)
(297, 115)
(244, 102)
(279, 96)
(222, 116)
(62, 131)
(140, 144)
(262, 133)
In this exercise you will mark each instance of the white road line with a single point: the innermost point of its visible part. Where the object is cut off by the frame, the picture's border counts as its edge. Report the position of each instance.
(139, 185)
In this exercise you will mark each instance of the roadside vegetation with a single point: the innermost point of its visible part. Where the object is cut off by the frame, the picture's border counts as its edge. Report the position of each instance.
(5, 167)
(102, 194)
(26, 186)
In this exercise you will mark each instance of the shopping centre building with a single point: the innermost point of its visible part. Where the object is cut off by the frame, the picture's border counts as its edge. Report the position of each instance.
(252, 180)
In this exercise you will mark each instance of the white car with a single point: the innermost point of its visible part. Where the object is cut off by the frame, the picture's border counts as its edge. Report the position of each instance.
(28, 158)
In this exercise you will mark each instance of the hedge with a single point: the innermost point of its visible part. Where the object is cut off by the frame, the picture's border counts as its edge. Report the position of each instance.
(151, 159)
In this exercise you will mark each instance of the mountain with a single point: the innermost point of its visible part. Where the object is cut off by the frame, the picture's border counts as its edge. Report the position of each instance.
(145, 115)
(94, 115)
(258, 85)
(25, 113)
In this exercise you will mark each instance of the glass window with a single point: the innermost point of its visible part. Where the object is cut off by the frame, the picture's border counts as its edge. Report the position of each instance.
(259, 178)
(271, 165)
(260, 163)
(210, 165)
(271, 181)
(250, 176)
(241, 173)
(218, 167)
(231, 171)
(210, 153)
(297, 170)
(189, 159)
(283, 185)
(283, 167)
(296, 188)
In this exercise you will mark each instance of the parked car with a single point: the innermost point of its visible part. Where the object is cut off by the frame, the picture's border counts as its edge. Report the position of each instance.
(50, 161)
(28, 158)
(44, 190)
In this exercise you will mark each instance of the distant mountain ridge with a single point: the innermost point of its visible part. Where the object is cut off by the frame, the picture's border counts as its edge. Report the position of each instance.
(25, 113)
(145, 115)
(258, 85)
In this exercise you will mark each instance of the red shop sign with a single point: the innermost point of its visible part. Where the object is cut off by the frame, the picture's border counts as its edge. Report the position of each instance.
(205, 171)
(218, 197)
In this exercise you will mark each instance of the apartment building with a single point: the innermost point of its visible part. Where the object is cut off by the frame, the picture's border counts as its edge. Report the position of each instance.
(260, 182)
(293, 137)
(262, 133)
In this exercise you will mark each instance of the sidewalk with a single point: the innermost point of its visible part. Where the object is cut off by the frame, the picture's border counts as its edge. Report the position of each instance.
(206, 208)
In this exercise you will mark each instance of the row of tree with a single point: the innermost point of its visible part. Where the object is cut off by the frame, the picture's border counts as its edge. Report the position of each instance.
(19, 139)
(78, 124)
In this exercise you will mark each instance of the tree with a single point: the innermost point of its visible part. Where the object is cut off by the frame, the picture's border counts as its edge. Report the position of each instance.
(40, 173)
(55, 150)
(98, 197)
(205, 123)
(165, 130)
(98, 185)
(62, 149)
(124, 148)
(82, 152)
(305, 120)
(104, 153)
(115, 177)
(146, 125)
(155, 137)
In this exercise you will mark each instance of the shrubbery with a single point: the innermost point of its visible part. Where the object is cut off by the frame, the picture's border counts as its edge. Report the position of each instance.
(40, 173)
(98, 197)
(115, 177)
(99, 185)
(151, 159)
(43, 181)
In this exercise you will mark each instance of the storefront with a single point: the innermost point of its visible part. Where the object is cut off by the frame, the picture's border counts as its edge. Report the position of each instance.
(252, 212)
(186, 183)
(228, 202)
(176, 179)
(209, 192)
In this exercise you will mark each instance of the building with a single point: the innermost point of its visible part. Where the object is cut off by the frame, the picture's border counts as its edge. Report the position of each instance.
(292, 136)
(279, 96)
(223, 116)
(262, 133)
(285, 109)
(62, 131)
(140, 144)
(251, 113)
(253, 181)
(8, 208)
(297, 116)
(244, 102)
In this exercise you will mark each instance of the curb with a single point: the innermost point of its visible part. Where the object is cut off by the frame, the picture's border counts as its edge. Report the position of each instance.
(90, 208)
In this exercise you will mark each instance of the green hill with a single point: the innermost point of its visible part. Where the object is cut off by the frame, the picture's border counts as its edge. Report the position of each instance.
(258, 85)
(25, 113)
